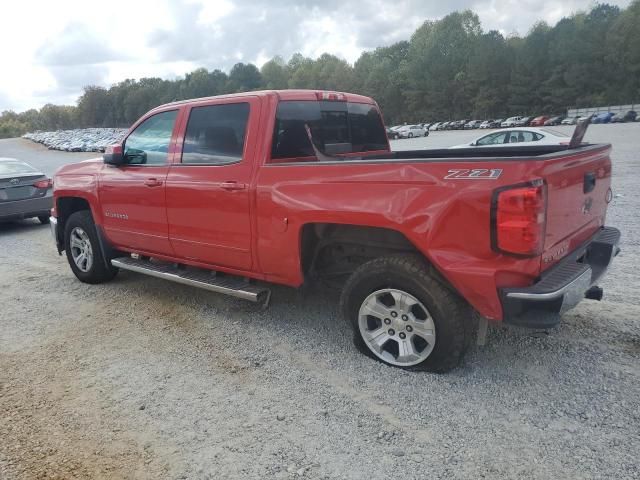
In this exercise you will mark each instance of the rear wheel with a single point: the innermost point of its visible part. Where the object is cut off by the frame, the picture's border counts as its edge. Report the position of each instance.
(44, 219)
(402, 315)
(83, 249)
(410, 135)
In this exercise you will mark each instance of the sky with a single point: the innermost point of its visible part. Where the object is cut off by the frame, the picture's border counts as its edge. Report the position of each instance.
(50, 50)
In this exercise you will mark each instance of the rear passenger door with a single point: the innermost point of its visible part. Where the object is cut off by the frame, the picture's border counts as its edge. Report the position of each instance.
(208, 191)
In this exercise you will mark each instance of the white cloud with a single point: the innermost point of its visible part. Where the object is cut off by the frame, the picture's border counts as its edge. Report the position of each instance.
(52, 49)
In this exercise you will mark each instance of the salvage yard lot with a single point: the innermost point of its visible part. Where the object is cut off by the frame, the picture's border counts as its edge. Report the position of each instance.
(142, 378)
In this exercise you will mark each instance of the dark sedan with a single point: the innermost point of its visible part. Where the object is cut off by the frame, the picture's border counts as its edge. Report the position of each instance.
(24, 192)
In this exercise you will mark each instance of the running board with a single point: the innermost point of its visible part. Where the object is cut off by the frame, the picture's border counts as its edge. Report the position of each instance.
(234, 286)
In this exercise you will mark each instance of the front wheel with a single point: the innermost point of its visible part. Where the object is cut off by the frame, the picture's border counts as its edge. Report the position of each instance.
(402, 315)
(83, 249)
(44, 219)
(410, 135)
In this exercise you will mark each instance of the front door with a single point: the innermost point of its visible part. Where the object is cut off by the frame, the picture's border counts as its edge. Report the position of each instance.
(208, 191)
(132, 195)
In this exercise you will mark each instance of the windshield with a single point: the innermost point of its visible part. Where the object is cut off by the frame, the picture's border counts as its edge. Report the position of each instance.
(336, 127)
(15, 168)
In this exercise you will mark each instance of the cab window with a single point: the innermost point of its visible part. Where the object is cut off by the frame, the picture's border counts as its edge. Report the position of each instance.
(336, 128)
(149, 143)
(215, 134)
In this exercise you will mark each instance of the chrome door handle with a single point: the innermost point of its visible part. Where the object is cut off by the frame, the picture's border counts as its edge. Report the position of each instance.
(152, 182)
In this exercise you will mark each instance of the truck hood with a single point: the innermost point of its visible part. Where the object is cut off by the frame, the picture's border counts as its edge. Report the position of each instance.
(91, 166)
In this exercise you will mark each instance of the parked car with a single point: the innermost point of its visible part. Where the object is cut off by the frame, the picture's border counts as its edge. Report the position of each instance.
(553, 121)
(486, 124)
(496, 123)
(472, 124)
(444, 125)
(570, 120)
(538, 121)
(523, 136)
(523, 122)
(509, 241)
(602, 117)
(622, 117)
(392, 133)
(434, 126)
(25, 192)
(411, 131)
(458, 124)
(510, 122)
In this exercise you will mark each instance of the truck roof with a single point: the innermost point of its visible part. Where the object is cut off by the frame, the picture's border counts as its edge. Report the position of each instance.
(293, 94)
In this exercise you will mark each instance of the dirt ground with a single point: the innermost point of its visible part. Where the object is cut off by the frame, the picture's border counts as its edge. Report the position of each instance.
(144, 379)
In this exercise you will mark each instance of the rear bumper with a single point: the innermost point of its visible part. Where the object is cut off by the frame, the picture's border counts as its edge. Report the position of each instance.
(563, 286)
(28, 208)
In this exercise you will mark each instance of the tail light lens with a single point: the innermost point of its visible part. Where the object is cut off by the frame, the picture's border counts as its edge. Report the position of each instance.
(46, 183)
(332, 96)
(519, 218)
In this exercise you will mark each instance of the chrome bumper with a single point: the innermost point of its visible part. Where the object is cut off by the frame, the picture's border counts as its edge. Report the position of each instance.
(53, 224)
(563, 286)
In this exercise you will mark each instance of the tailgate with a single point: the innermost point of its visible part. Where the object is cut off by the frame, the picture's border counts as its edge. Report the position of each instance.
(578, 191)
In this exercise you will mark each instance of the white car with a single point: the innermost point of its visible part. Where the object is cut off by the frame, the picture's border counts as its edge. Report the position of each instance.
(511, 122)
(410, 131)
(521, 136)
(570, 121)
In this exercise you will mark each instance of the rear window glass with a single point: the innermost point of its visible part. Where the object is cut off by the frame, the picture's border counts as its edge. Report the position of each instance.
(15, 168)
(215, 134)
(336, 127)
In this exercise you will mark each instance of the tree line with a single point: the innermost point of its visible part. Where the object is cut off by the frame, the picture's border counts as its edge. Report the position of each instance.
(449, 68)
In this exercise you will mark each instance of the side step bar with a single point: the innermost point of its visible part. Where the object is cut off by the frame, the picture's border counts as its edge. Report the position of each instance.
(228, 285)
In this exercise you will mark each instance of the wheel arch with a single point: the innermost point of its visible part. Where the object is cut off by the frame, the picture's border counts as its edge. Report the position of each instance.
(335, 249)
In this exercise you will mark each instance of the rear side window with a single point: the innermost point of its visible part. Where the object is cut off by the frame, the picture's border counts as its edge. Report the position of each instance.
(215, 134)
(336, 127)
(15, 168)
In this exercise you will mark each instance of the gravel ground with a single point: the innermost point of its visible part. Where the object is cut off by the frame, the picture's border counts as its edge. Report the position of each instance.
(141, 378)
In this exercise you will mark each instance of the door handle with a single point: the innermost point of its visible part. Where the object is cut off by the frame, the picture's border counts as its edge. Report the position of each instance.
(152, 182)
(233, 186)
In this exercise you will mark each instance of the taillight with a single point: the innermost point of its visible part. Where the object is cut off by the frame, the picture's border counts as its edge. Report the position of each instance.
(46, 183)
(334, 96)
(518, 219)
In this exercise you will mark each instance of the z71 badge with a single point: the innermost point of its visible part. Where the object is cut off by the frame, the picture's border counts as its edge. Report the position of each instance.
(474, 174)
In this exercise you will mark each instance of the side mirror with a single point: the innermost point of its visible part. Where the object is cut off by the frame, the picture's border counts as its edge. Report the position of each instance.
(113, 155)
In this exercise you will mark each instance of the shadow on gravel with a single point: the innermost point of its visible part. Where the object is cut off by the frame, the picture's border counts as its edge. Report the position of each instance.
(17, 226)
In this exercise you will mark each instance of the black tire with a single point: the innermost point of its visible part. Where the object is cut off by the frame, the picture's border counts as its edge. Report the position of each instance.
(426, 134)
(451, 315)
(98, 271)
(410, 135)
(44, 219)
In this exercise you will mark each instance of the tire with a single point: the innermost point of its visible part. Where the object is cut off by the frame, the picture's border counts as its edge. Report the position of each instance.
(426, 134)
(410, 135)
(44, 219)
(438, 310)
(85, 238)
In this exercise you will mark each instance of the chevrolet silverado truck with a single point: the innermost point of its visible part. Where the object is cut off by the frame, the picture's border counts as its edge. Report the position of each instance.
(231, 193)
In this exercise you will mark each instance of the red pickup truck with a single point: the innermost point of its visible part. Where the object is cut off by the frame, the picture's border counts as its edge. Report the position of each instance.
(229, 193)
